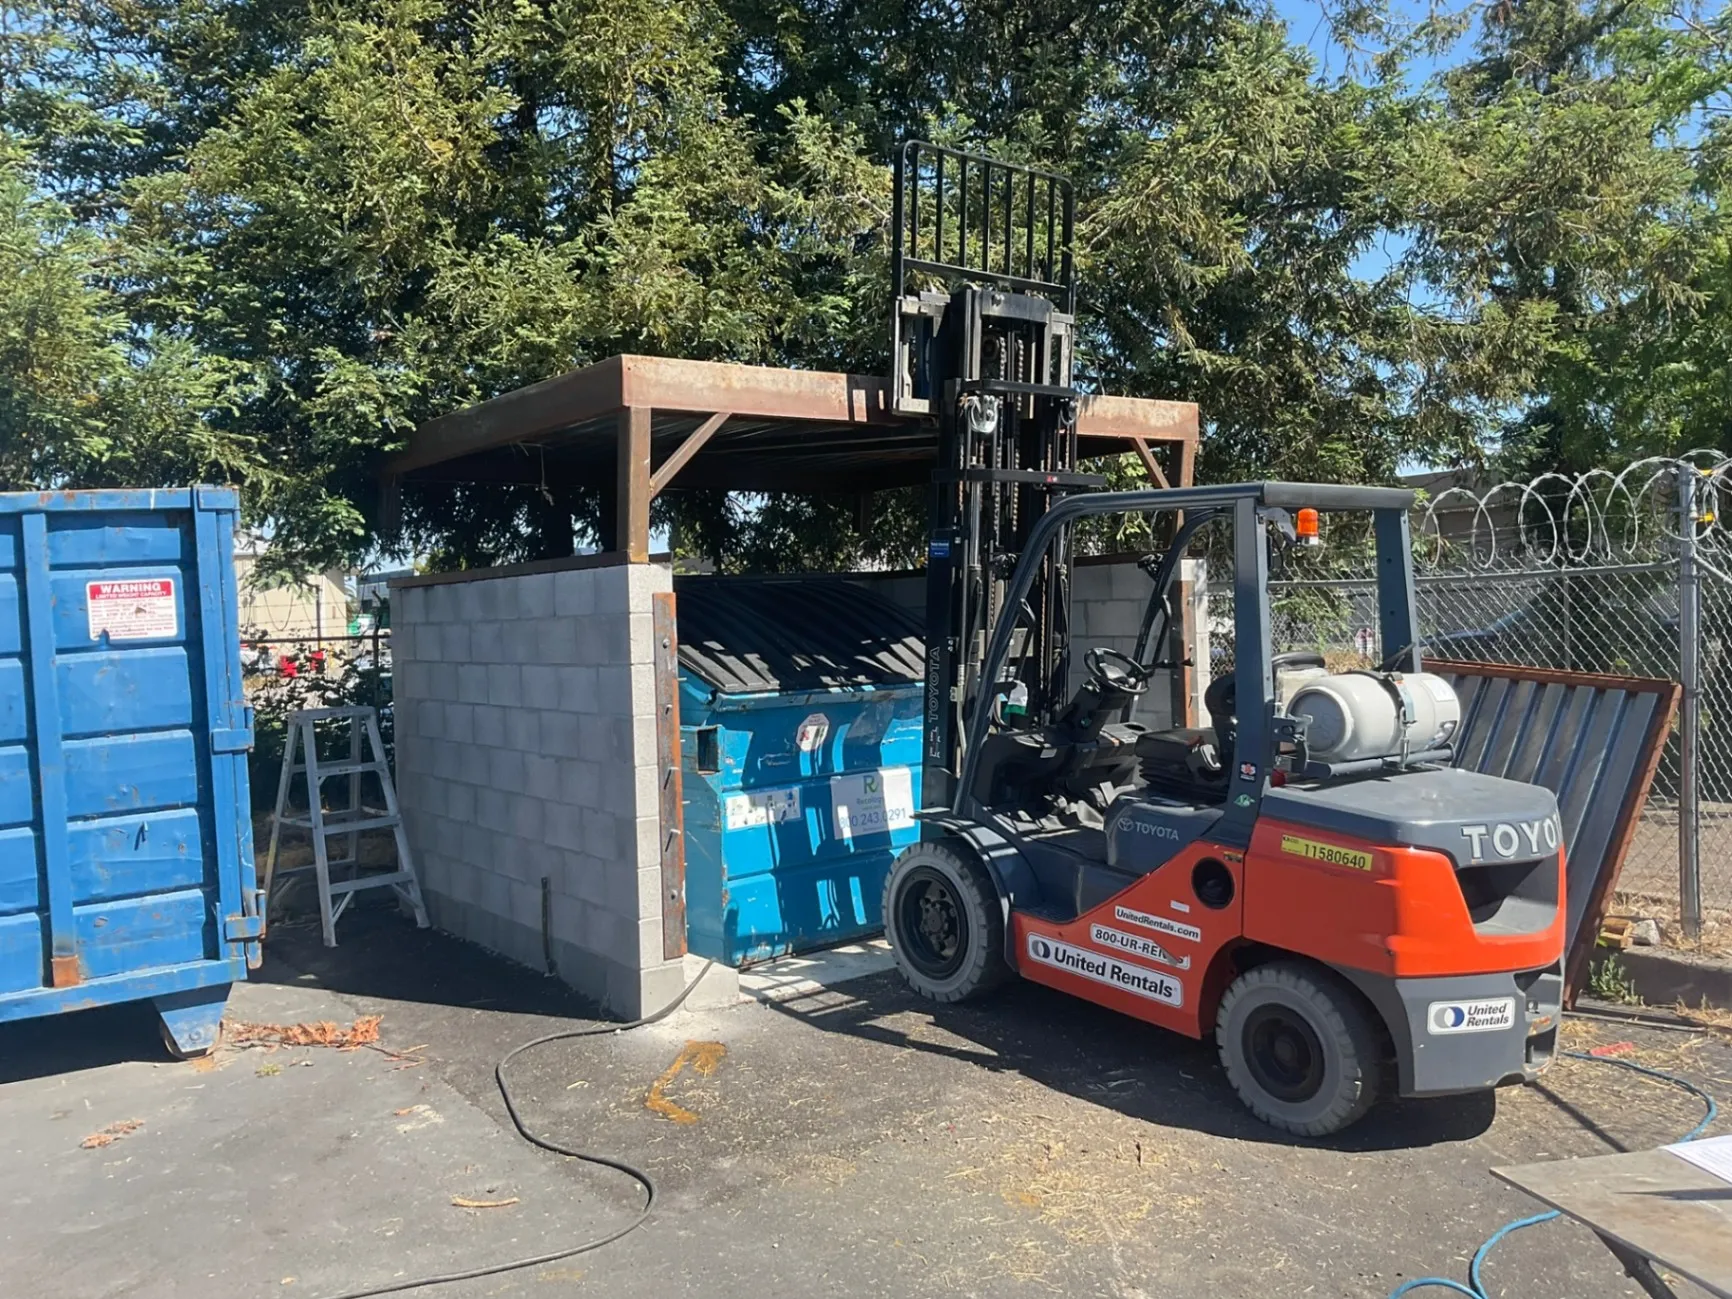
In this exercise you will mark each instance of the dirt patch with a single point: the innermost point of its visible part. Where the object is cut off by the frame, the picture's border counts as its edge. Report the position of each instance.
(1716, 937)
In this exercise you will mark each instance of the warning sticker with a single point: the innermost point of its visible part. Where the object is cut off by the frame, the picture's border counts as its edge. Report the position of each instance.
(1326, 852)
(136, 609)
(762, 807)
(812, 732)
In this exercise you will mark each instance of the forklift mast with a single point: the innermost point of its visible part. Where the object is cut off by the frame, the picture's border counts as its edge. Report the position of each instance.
(982, 336)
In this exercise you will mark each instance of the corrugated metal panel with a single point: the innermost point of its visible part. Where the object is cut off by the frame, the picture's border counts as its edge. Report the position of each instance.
(754, 635)
(1594, 741)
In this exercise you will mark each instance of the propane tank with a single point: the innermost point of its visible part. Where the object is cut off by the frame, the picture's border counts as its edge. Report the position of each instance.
(1356, 715)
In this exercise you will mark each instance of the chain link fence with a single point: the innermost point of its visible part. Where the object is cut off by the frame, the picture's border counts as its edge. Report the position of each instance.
(1627, 573)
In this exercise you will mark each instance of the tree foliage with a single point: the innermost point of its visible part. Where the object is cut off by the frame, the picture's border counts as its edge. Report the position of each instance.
(260, 240)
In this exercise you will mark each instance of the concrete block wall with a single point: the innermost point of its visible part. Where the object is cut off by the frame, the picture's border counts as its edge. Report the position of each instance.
(526, 752)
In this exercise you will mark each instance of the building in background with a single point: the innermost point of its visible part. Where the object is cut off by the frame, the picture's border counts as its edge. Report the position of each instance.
(281, 617)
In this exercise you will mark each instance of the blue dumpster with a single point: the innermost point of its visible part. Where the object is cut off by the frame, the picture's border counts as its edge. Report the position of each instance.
(126, 862)
(800, 728)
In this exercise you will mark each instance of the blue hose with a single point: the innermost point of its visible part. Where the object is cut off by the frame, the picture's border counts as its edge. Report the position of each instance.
(1475, 1288)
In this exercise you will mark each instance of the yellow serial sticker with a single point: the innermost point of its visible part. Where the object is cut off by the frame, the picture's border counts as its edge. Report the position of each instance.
(1326, 852)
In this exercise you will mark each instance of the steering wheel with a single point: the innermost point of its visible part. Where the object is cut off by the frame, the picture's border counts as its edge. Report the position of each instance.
(1112, 670)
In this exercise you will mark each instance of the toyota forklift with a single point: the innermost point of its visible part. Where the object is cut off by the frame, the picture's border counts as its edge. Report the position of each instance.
(1309, 880)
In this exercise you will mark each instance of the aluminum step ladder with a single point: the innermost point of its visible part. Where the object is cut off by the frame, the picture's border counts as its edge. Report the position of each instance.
(366, 756)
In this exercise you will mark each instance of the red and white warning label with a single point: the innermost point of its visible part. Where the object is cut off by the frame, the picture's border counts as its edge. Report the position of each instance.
(137, 609)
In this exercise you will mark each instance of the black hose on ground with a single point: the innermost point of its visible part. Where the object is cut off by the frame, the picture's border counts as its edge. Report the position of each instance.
(631, 1170)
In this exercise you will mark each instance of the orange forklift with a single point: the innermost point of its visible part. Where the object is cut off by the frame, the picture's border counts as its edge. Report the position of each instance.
(1310, 881)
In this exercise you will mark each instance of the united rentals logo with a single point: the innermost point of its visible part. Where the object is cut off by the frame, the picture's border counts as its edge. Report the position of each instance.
(1492, 1015)
(1101, 968)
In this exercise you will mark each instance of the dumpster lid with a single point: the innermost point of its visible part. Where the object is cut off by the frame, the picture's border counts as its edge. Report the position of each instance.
(749, 635)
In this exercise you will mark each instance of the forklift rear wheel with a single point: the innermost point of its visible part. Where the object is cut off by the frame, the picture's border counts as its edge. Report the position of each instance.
(944, 923)
(1299, 1048)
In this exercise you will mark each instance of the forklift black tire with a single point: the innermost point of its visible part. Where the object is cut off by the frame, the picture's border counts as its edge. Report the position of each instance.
(1300, 1048)
(945, 924)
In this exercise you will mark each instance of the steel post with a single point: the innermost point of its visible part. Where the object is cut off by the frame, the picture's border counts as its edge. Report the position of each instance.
(1689, 676)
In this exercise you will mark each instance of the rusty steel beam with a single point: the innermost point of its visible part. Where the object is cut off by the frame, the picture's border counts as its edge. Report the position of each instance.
(671, 807)
(633, 484)
(693, 444)
(1156, 477)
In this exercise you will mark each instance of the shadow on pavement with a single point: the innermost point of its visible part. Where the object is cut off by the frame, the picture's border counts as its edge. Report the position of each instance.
(81, 1039)
(381, 954)
(1093, 1053)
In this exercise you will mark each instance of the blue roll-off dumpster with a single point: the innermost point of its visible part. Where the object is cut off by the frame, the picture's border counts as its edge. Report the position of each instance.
(126, 862)
(800, 705)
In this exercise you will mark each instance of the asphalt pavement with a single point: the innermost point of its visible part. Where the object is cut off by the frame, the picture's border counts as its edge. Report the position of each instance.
(850, 1141)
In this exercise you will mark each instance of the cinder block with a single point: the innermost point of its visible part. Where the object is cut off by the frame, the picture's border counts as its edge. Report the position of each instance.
(579, 781)
(526, 816)
(584, 971)
(642, 646)
(643, 580)
(504, 684)
(505, 769)
(472, 604)
(603, 740)
(526, 905)
(643, 688)
(460, 723)
(424, 717)
(562, 826)
(649, 941)
(495, 893)
(534, 595)
(610, 588)
(642, 730)
(553, 639)
(471, 683)
(411, 680)
(577, 688)
(646, 843)
(521, 645)
(617, 788)
(590, 640)
(636, 893)
(493, 812)
(647, 794)
(478, 843)
(541, 686)
(454, 643)
(573, 594)
(613, 690)
(541, 776)
(487, 642)
(442, 681)
(523, 730)
(637, 993)
(600, 833)
(562, 734)
(489, 727)
(460, 802)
